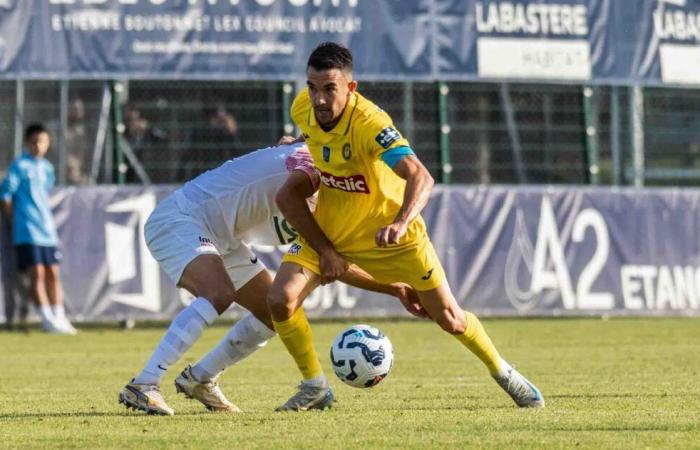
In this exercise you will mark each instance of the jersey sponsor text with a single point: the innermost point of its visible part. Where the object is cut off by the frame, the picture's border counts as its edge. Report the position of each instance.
(353, 183)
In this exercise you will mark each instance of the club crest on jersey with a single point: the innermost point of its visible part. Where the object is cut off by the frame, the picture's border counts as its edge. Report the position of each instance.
(347, 152)
(326, 153)
(294, 249)
(387, 137)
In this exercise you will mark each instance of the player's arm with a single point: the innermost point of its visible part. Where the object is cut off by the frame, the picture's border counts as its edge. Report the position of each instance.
(6, 206)
(291, 200)
(7, 189)
(419, 185)
(408, 297)
(289, 140)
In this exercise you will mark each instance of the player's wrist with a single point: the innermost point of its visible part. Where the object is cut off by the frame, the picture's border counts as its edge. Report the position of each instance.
(327, 251)
(398, 290)
(401, 222)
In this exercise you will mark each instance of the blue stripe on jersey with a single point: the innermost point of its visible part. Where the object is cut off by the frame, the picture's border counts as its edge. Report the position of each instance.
(393, 156)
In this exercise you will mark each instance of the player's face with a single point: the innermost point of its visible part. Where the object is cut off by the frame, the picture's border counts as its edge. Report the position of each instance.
(38, 144)
(330, 91)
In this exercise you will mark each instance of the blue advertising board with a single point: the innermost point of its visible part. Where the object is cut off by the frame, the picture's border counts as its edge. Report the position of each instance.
(584, 41)
(513, 251)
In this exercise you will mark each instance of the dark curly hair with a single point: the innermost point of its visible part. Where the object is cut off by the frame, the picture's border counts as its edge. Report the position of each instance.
(331, 55)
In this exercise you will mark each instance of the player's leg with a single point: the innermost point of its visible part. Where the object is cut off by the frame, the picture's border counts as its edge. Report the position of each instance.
(465, 326)
(206, 278)
(28, 261)
(246, 336)
(468, 330)
(429, 280)
(188, 254)
(54, 291)
(291, 286)
(37, 290)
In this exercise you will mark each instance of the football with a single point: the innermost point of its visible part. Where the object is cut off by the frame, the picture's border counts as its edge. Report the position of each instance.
(362, 356)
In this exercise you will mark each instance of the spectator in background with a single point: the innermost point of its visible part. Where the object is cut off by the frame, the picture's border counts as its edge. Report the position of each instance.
(77, 143)
(213, 142)
(14, 292)
(149, 146)
(25, 202)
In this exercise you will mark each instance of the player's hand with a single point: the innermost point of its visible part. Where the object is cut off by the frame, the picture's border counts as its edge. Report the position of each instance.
(332, 265)
(410, 301)
(391, 234)
(289, 140)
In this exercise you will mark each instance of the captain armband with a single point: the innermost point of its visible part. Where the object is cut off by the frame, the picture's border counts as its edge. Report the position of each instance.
(392, 156)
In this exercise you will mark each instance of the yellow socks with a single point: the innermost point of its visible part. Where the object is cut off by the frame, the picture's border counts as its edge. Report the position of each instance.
(296, 334)
(476, 340)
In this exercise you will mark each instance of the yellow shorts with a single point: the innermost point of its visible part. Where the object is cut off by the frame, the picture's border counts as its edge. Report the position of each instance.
(415, 264)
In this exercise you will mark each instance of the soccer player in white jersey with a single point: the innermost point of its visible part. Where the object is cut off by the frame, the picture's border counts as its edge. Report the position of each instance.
(200, 236)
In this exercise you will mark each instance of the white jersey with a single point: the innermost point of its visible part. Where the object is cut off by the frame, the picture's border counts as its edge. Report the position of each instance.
(236, 201)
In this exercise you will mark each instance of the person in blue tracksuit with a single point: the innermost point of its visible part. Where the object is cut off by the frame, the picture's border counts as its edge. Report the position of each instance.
(24, 197)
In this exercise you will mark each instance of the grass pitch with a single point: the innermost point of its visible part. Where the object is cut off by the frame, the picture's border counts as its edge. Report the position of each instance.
(622, 383)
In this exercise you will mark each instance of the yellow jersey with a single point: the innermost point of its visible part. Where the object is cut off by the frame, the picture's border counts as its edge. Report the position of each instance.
(359, 193)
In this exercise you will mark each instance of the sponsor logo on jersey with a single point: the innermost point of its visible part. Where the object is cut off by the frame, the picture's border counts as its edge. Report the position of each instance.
(347, 152)
(205, 242)
(387, 137)
(206, 246)
(353, 183)
(294, 249)
(326, 153)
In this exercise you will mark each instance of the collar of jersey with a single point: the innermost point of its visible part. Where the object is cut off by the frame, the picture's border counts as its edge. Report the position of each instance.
(343, 126)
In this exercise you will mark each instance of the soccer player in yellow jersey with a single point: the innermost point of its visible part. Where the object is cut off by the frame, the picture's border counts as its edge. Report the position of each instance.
(372, 191)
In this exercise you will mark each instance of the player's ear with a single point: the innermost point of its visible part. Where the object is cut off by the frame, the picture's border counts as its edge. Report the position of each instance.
(352, 86)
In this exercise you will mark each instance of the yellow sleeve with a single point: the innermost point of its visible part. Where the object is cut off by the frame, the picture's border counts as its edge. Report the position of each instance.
(301, 108)
(379, 134)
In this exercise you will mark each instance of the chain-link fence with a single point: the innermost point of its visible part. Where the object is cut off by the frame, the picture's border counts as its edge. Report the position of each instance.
(463, 132)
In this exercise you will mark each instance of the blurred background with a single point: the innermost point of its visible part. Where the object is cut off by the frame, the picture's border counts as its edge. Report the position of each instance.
(532, 115)
(509, 133)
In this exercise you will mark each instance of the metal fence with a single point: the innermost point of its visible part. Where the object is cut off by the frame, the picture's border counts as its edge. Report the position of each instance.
(167, 132)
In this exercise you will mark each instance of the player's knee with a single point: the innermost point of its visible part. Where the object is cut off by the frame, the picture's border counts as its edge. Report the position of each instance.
(451, 323)
(280, 304)
(37, 276)
(220, 298)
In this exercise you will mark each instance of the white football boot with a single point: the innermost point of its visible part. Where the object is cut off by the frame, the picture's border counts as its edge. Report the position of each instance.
(54, 327)
(523, 393)
(145, 397)
(207, 393)
(309, 397)
(66, 327)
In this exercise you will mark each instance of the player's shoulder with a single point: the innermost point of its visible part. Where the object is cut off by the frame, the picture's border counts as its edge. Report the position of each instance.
(373, 124)
(301, 107)
(370, 116)
(20, 163)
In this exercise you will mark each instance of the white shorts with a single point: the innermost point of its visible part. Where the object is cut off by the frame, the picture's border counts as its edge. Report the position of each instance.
(175, 238)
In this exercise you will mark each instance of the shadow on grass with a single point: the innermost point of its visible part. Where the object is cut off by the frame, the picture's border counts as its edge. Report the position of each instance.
(89, 414)
(616, 395)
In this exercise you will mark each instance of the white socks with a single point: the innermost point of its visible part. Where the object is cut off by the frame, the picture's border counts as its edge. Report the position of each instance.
(186, 328)
(46, 314)
(245, 337)
(59, 313)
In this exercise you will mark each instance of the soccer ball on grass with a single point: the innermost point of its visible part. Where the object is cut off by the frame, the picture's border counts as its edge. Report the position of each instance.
(362, 356)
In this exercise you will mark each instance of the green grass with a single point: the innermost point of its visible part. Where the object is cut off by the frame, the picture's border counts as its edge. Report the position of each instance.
(622, 383)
